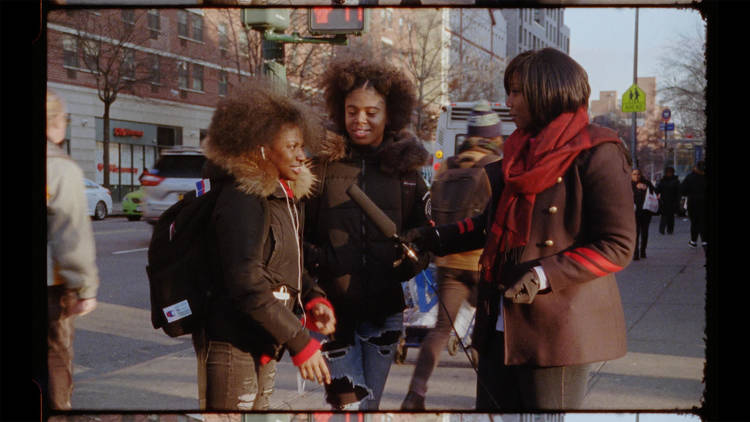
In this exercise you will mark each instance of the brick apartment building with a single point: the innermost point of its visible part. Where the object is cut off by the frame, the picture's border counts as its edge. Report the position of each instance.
(179, 64)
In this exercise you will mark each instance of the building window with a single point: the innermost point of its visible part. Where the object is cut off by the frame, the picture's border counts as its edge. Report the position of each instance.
(70, 51)
(154, 22)
(155, 69)
(197, 27)
(223, 39)
(90, 54)
(182, 23)
(197, 77)
(182, 75)
(128, 19)
(128, 63)
(223, 85)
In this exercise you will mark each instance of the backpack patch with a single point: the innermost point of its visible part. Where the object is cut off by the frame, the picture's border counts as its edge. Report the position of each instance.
(178, 269)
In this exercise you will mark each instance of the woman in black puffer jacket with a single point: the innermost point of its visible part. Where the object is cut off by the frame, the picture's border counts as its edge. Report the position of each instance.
(358, 267)
(262, 302)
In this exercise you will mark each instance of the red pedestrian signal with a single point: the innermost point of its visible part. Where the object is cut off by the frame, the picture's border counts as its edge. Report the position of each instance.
(337, 20)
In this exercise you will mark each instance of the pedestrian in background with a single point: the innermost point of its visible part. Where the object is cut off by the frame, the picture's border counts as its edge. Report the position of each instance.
(558, 225)
(668, 189)
(370, 105)
(641, 186)
(694, 187)
(72, 274)
(452, 200)
(262, 302)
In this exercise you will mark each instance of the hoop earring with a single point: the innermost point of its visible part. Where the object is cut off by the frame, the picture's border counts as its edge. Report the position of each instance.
(262, 153)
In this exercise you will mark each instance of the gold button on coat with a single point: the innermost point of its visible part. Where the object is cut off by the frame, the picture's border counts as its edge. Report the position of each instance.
(559, 180)
(552, 209)
(548, 243)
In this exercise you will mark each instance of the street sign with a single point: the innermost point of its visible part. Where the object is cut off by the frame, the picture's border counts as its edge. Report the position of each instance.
(666, 126)
(633, 100)
(339, 20)
(666, 114)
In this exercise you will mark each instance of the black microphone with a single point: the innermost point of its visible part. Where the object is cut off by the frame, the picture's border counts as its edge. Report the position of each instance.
(377, 216)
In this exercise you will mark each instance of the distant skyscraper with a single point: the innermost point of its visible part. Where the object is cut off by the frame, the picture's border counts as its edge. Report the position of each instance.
(531, 29)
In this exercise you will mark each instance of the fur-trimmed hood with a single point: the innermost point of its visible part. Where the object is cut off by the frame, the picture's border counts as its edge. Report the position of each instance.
(253, 174)
(398, 153)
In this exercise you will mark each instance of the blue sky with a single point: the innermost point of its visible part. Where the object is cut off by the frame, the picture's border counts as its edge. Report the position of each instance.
(602, 41)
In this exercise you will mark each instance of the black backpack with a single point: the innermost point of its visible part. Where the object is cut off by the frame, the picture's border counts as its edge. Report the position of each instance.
(459, 193)
(178, 267)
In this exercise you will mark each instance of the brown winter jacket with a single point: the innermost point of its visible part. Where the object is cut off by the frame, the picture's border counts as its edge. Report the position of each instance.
(582, 232)
(255, 254)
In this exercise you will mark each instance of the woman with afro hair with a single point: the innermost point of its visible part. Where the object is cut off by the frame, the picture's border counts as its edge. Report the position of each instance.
(359, 268)
(256, 159)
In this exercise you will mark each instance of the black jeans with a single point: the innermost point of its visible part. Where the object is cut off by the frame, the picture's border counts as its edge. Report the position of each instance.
(666, 222)
(697, 215)
(521, 388)
(642, 221)
(454, 287)
(232, 379)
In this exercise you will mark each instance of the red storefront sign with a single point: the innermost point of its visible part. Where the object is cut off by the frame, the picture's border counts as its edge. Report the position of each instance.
(119, 131)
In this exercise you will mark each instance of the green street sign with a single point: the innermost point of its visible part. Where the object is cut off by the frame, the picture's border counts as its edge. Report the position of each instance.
(633, 100)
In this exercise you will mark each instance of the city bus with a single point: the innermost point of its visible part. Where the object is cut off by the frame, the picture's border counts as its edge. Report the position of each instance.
(451, 128)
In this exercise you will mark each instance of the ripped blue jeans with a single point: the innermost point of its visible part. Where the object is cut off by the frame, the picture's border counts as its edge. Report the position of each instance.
(359, 371)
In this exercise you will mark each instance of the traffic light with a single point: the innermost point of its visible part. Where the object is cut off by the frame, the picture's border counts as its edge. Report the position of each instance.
(337, 20)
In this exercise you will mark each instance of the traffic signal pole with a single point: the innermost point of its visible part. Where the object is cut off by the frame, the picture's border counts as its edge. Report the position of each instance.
(634, 140)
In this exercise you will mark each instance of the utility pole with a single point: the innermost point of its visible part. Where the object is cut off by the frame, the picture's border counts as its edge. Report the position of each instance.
(634, 140)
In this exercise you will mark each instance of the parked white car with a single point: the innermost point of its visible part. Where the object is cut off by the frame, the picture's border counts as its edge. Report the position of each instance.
(174, 174)
(99, 199)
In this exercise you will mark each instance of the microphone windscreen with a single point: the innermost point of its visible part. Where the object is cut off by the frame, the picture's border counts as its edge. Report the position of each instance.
(373, 212)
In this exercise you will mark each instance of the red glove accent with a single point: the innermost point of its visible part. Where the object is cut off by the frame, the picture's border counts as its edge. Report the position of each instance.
(310, 321)
(264, 359)
(305, 354)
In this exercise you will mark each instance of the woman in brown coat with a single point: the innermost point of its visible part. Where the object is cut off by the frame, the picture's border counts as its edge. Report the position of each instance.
(559, 225)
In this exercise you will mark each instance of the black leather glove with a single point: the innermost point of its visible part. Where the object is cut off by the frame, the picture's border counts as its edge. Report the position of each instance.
(524, 289)
(425, 238)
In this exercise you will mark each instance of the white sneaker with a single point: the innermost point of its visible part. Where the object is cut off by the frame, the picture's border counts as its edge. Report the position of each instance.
(692, 244)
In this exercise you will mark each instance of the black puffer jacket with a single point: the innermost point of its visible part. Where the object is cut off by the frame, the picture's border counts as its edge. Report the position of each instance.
(257, 251)
(351, 257)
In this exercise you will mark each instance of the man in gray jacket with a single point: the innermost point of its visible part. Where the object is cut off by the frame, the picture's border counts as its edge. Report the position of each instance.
(72, 275)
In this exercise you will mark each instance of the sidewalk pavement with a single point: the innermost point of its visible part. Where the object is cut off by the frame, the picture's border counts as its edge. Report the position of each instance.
(664, 301)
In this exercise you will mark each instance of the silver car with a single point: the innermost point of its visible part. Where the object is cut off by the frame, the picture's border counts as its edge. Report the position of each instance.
(175, 172)
(98, 198)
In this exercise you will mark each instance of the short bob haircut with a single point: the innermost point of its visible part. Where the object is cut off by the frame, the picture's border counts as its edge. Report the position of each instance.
(345, 76)
(253, 114)
(551, 82)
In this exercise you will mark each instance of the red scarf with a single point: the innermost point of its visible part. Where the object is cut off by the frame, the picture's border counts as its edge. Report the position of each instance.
(530, 166)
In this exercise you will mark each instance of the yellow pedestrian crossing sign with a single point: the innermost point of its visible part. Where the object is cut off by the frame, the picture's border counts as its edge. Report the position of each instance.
(633, 100)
